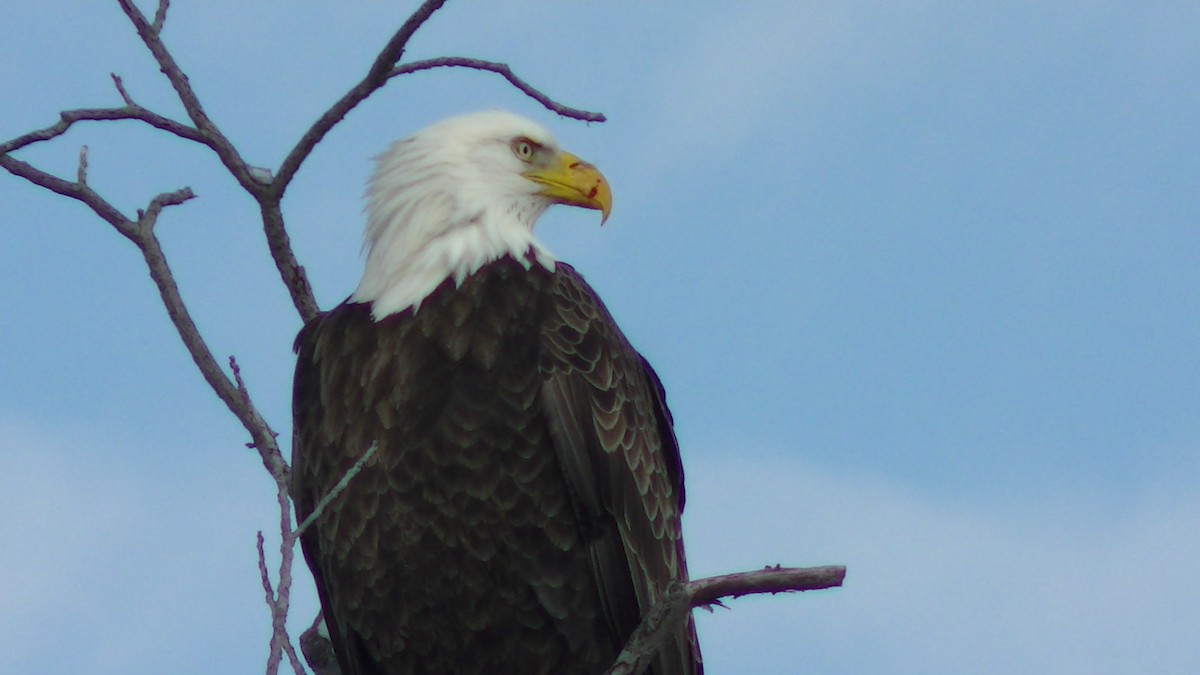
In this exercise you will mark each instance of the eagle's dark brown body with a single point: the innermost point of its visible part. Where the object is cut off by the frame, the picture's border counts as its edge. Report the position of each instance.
(522, 508)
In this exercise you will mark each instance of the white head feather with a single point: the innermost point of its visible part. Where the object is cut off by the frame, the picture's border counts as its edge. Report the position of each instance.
(446, 201)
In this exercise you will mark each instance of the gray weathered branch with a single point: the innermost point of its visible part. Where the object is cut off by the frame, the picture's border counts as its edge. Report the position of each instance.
(507, 73)
(281, 643)
(670, 611)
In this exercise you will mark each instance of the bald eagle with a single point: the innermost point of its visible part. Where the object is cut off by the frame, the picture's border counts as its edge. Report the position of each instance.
(520, 507)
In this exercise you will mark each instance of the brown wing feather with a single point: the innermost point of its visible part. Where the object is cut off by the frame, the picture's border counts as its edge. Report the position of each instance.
(614, 437)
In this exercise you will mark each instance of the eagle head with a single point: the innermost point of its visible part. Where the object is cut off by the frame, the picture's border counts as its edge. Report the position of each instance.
(466, 191)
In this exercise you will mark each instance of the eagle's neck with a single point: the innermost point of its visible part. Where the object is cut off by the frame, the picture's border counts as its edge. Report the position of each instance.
(419, 235)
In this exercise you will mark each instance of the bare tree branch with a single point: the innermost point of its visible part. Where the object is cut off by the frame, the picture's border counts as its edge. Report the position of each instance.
(376, 77)
(237, 378)
(278, 599)
(504, 70)
(264, 575)
(287, 553)
(668, 614)
(141, 233)
(260, 432)
(148, 217)
(77, 191)
(268, 191)
(280, 643)
(775, 579)
(131, 111)
(280, 244)
(209, 133)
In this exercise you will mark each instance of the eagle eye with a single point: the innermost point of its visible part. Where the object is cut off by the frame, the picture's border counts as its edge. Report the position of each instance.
(524, 149)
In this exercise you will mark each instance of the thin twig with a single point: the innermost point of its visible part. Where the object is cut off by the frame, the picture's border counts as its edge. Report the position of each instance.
(337, 489)
(275, 655)
(149, 216)
(120, 84)
(263, 574)
(160, 15)
(237, 378)
(287, 554)
(81, 171)
(772, 580)
(504, 70)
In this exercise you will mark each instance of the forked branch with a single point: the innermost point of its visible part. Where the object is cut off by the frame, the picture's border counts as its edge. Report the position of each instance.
(210, 135)
(376, 77)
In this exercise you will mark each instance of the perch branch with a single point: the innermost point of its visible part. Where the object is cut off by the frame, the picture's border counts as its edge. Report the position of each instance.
(665, 617)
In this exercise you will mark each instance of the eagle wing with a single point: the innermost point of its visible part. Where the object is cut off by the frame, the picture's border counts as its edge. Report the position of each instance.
(614, 438)
(323, 451)
(605, 422)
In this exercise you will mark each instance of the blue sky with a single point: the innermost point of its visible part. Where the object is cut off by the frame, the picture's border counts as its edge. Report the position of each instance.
(920, 279)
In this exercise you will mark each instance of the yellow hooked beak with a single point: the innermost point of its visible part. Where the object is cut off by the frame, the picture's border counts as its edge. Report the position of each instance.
(566, 179)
